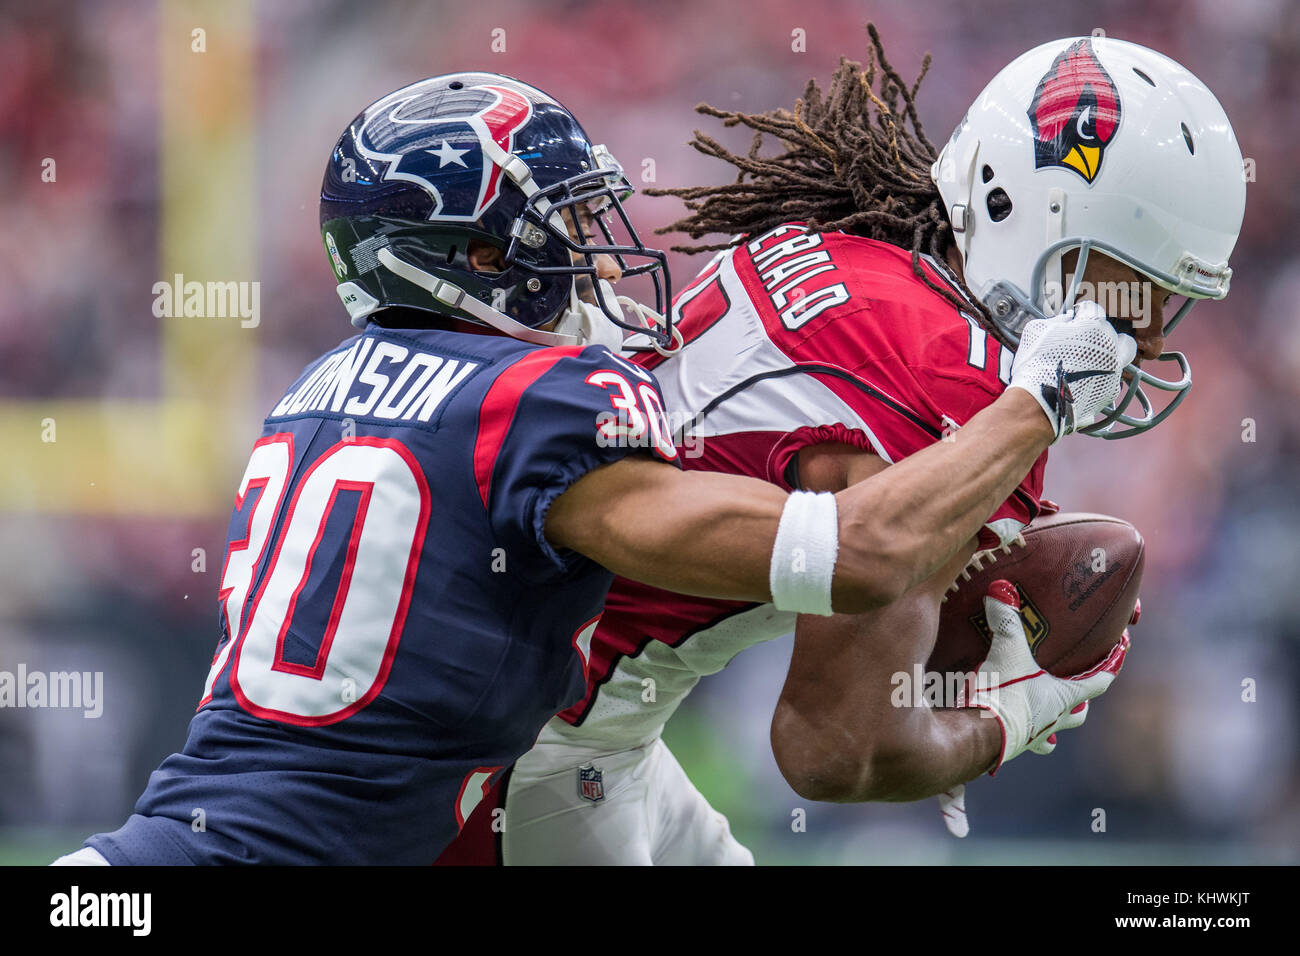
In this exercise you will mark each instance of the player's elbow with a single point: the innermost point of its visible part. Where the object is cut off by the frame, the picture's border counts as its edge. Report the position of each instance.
(835, 781)
(815, 769)
(819, 767)
(862, 780)
(812, 777)
(816, 786)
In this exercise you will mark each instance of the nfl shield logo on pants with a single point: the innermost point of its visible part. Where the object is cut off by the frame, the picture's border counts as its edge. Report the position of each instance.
(590, 786)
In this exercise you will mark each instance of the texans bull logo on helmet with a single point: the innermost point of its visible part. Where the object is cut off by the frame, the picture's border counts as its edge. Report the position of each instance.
(454, 140)
(1075, 112)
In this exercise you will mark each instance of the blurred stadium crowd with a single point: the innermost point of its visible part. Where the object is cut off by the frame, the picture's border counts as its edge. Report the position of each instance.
(1182, 766)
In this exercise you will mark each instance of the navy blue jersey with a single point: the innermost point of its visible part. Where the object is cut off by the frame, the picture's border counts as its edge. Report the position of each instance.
(395, 627)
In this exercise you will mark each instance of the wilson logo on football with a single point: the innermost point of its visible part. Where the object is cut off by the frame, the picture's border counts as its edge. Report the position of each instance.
(1075, 112)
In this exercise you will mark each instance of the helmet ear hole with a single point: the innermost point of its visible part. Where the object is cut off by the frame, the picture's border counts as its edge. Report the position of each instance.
(986, 174)
(484, 257)
(998, 203)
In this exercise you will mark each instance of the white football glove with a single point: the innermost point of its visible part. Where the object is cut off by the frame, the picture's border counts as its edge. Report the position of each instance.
(1072, 365)
(1029, 703)
(952, 804)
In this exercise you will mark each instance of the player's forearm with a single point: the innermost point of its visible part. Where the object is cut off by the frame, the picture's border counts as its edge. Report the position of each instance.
(852, 725)
(927, 752)
(947, 747)
(899, 526)
(714, 541)
(713, 534)
(694, 532)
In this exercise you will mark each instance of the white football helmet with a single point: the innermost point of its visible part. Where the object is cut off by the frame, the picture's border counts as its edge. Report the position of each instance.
(1094, 143)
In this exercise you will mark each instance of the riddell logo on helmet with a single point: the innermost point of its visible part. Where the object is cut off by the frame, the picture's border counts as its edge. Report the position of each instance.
(1075, 112)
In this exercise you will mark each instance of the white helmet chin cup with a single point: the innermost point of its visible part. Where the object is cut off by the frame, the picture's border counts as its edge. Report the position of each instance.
(1093, 144)
(591, 325)
(588, 322)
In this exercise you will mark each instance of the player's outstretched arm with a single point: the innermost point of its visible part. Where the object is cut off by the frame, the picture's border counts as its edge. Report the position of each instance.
(735, 537)
(714, 535)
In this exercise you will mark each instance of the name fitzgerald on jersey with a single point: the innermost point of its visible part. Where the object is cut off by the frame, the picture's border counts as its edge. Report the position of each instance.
(411, 386)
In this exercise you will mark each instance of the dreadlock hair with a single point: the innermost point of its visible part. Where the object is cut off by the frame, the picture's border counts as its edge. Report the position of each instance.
(855, 161)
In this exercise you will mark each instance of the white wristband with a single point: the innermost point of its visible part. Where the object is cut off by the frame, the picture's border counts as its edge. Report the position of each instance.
(803, 556)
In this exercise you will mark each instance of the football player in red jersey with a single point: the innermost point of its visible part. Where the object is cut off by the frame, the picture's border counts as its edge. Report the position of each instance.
(870, 305)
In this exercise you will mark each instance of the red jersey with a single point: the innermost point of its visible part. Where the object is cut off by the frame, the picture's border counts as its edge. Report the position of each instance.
(792, 339)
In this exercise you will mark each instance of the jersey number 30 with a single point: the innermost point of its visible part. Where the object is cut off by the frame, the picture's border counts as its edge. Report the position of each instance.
(367, 609)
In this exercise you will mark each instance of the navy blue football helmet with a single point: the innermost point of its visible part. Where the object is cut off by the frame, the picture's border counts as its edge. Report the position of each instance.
(452, 159)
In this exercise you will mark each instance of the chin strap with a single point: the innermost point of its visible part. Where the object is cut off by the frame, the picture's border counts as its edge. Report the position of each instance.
(456, 298)
(650, 318)
(595, 314)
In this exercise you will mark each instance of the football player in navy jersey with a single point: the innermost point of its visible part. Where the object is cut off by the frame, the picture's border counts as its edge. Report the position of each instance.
(424, 535)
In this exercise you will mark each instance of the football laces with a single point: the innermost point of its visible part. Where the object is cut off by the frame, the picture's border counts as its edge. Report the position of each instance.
(978, 560)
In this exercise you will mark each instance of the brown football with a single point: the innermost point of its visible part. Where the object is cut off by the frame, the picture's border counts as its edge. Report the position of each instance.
(1078, 577)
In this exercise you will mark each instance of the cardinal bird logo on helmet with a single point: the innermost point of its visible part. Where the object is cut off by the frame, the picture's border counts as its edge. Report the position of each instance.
(1075, 112)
